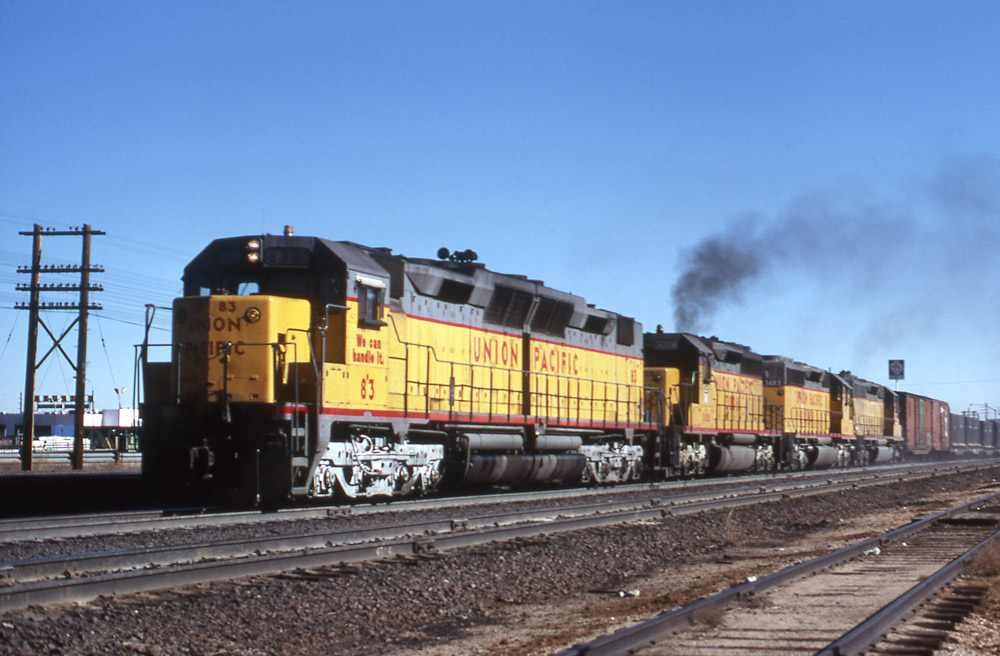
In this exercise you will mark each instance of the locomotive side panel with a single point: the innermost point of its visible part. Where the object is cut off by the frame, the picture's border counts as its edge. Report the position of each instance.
(716, 400)
(449, 372)
(739, 402)
(799, 410)
(869, 417)
(587, 388)
(798, 397)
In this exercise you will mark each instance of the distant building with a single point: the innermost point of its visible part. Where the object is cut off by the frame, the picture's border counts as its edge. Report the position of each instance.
(108, 429)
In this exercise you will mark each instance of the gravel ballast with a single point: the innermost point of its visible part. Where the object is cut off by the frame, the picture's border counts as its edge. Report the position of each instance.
(489, 599)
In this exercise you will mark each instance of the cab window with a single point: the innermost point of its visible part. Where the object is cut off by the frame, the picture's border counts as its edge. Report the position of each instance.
(370, 305)
(239, 285)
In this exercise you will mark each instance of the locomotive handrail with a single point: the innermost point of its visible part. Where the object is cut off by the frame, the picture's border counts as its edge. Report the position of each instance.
(226, 348)
(610, 397)
(142, 353)
(733, 411)
(320, 378)
(138, 381)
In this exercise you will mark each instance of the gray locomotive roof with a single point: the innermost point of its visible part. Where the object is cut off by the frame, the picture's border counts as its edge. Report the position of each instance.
(712, 346)
(792, 363)
(862, 387)
(685, 349)
(357, 258)
(426, 276)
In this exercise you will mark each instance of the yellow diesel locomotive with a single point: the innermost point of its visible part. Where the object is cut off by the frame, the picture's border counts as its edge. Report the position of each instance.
(732, 410)
(303, 367)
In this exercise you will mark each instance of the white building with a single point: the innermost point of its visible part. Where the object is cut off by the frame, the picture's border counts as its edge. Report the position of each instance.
(54, 430)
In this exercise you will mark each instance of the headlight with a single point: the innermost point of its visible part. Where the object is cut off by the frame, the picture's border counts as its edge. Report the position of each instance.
(253, 251)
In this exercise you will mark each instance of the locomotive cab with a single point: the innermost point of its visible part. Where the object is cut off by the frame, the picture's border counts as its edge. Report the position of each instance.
(235, 416)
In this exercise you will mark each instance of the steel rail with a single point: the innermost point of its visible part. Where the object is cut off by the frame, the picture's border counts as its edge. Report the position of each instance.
(82, 589)
(651, 631)
(20, 571)
(318, 550)
(89, 525)
(10, 527)
(63, 459)
(53, 566)
(872, 631)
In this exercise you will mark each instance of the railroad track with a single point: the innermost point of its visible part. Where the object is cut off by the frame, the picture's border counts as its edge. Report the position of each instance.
(838, 604)
(70, 526)
(80, 577)
(63, 460)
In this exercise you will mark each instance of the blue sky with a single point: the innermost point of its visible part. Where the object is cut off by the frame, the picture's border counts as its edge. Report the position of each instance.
(848, 152)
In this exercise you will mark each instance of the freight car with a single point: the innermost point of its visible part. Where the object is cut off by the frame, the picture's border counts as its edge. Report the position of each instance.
(974, 436)
(303, 367)
(926, 426)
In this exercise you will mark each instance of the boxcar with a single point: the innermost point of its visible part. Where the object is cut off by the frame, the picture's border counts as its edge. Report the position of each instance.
(925, 423)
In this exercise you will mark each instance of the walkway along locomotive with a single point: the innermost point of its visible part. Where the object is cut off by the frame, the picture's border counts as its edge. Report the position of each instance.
(303, 367)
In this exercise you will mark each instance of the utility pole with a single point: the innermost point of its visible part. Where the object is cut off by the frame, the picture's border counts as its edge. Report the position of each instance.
(81, 350)
(34, 306)
(28, 419)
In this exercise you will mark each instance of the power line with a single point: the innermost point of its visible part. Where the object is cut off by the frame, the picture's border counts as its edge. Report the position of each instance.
(113, 241)
(131, 323)
(956, 382)
(7, 343)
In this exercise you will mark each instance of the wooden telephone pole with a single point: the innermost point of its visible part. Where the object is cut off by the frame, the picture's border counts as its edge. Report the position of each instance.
(34, 306)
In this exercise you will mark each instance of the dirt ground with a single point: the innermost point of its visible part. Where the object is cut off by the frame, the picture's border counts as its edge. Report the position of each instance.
(552, 628)
(521, 598)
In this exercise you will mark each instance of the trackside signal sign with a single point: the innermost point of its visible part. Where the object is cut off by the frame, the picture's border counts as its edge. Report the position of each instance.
(896, 369)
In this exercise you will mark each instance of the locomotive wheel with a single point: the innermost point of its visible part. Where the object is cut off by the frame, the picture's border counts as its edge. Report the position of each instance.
(348, 487)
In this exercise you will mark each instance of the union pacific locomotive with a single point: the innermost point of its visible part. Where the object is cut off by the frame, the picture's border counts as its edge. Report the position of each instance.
(307, 367)
(303, 367)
